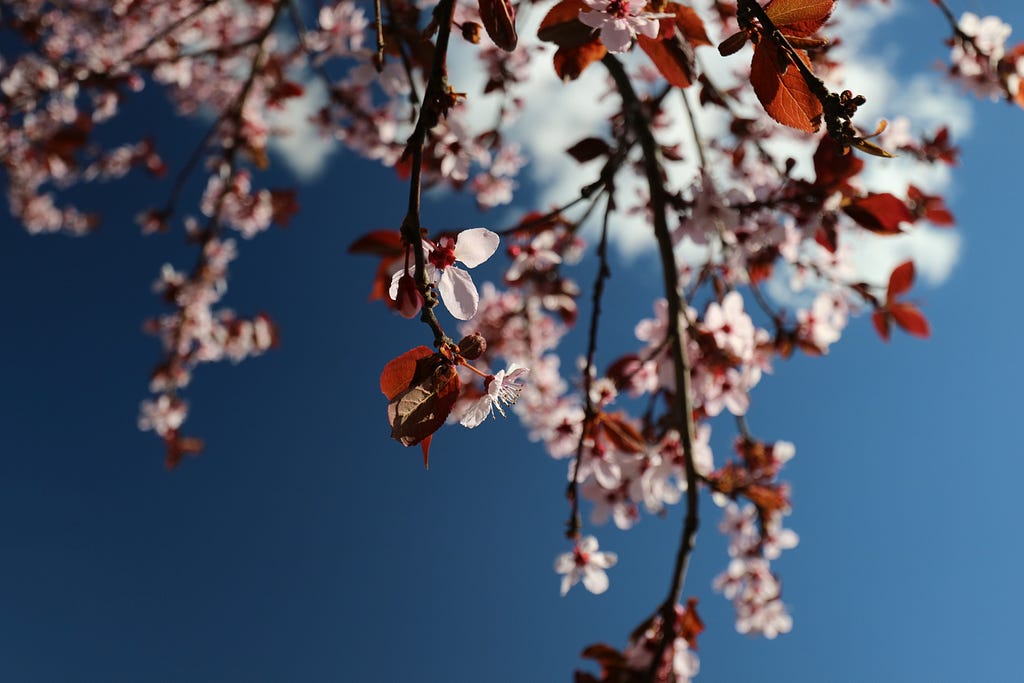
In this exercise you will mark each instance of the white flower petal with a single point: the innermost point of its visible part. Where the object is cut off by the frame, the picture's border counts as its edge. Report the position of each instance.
(568, 581)
(564, 563)
(604, 560)
(588, 544)
(476, 245)
(477, 412)
(595, 580)
(458, 292)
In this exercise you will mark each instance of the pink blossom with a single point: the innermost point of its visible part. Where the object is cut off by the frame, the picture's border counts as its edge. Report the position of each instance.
(501, 388)
(471, 248)
(586, 563)
(619, 22)
(731, 326)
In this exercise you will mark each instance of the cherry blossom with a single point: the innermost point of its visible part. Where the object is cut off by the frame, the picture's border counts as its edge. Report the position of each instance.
(587, 563)
(470, 248)
(501, 388)
(619, 22)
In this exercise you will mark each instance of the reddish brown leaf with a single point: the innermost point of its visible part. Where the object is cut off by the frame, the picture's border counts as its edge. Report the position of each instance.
(425, 445)
(284, 205)
(733, 43)
(930, 207)
(832, 169)
(623, 435)
(690, 624)
(881, 322)
(499, 19)
(690, 23)
(399, 373)
(589, 149)
(672, 61)
(571, 61)
(910, 319)
(881, 213)
(378, 243)
(420, 410)
(900, 280)
(561, 25)
(799, 17)
(782, 90)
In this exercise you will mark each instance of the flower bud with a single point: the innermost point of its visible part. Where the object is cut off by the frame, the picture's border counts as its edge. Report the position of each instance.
(471, 32)
(472, 346)
(408, 301)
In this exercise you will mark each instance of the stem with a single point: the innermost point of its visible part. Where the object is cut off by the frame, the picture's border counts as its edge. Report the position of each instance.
(431, 112)
(682, 406)
(603, 273)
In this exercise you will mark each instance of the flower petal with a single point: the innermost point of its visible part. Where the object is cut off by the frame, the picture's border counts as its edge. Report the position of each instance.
(458, 292)
(595, 580)
(474, 246)
(477, 412)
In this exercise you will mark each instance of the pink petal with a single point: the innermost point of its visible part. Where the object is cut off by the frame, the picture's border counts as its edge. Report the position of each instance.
(616, 37)
(595, 580)
(458, 293)
(593, 19)
(475, 246)
(647, 27)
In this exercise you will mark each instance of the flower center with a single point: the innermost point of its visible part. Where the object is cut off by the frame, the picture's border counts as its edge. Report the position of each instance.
(443, 254)
(579, 557)
(618, 8)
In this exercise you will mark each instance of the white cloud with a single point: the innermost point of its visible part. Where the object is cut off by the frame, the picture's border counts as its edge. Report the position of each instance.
(302, 149)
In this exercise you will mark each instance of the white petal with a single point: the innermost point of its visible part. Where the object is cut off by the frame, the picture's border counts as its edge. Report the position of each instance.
(567, 582)
(595, 580)
(604, 560)
(458, 292)
(477, 412)
(475, 246)
(588, 544)
(616, 36)
(593, 19)
(393, 289)
(564, 563)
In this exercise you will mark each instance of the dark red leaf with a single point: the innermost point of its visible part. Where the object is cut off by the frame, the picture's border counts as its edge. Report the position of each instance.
(399, 372)
(499, 19)
(880, 320)
(420, 410)
(910, 319)
(782, 90)
(881, 213)
(799, 17)
(623, 435)
(589, 149)
(561, 25)
(900, 281)
(379, 243)
(571, 61)
(690, 624)
(674, 63)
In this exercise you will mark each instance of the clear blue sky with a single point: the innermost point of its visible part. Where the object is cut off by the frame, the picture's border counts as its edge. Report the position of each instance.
(307, 546)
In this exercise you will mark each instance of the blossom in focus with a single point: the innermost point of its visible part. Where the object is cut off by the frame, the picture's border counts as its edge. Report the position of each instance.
(501, 389)
(619, 22)
(585, 562)
(471, 248)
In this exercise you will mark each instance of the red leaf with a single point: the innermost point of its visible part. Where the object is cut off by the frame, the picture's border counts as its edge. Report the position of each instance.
(690, 624)
(900, 281)
(561, 25)
(782, 90)
(881, 322)
(284, 205)
(420, 410)
(399, 373)
(571, 61)
(624, 436)
(910, 319)
(690, 23)
(499, 19)
(379, 243)
(832, 169)
(930, 207)
(589, 149)
(425, 445)
(881, 213)
(673, 62)
(799, 17)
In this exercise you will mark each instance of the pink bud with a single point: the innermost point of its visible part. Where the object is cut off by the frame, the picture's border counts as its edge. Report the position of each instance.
(409, 300)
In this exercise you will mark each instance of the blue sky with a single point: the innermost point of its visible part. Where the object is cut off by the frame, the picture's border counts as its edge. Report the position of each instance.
(307, 546)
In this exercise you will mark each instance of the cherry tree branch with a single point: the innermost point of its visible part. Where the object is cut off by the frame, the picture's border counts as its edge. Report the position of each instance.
(682, 406)
(435, 105)
(603, 273)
